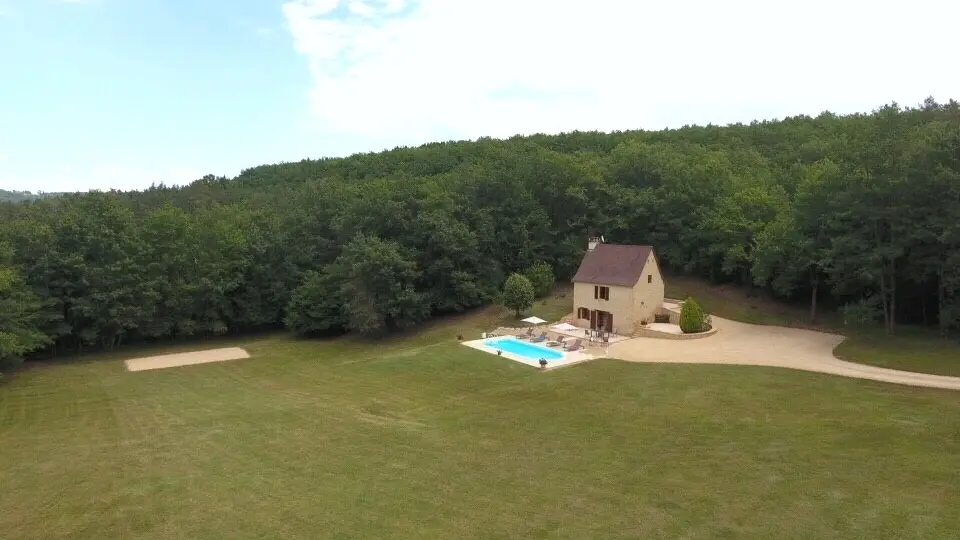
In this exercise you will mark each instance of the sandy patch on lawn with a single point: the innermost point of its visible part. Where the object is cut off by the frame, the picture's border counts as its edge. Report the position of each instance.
(185, 359)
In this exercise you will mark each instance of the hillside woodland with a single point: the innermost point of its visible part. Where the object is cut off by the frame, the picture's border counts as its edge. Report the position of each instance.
(859, 211)
(17, 196)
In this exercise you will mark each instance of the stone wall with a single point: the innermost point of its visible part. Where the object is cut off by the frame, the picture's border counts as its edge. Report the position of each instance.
(510, 331)
(674, 315)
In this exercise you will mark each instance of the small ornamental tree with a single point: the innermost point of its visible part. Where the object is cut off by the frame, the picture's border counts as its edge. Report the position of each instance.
(692, 319)
(541, 277)
(518, 293)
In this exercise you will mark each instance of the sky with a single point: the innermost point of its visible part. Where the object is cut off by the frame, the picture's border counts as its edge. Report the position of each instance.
(101, 94)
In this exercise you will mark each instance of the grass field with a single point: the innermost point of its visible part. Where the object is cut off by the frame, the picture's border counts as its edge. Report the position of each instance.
(909, 348)
(419, 437)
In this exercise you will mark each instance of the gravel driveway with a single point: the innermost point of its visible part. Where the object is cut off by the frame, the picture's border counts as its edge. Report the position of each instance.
(752, 345)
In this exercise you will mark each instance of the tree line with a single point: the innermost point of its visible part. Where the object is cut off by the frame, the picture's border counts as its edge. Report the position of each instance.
(860, 211)
(20, 196)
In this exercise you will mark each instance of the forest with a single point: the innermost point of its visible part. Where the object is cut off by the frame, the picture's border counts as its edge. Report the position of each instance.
(18, 196)
(855, 212)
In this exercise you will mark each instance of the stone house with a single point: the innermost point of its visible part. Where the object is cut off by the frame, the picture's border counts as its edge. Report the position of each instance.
(617, 287)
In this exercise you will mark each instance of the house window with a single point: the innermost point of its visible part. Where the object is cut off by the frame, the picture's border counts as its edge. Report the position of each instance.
(601, 293)
(583, 313)
(649, 278)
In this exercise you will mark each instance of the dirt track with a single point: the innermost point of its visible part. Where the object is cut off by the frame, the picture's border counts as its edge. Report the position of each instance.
(185, 359)
(747, 344)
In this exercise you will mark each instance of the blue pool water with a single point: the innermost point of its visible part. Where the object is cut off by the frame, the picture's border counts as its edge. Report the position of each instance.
(526, 350)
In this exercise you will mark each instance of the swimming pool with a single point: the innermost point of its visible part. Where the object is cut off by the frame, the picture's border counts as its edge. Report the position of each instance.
(526, 350)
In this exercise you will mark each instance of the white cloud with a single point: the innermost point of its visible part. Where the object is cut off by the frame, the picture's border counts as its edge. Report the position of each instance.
(410, 73)
(363, 9)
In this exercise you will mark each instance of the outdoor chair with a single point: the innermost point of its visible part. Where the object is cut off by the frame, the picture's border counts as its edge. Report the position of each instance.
(541, 337)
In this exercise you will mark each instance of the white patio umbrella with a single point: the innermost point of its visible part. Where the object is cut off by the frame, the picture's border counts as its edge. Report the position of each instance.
(565, 327)
(534, 320)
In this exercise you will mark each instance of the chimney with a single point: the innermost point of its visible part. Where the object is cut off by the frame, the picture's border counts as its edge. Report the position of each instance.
(593, 242)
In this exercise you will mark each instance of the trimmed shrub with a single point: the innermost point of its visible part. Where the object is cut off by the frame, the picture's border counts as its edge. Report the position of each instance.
(692, 319)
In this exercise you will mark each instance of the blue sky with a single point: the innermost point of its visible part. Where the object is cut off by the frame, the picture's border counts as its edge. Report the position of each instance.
(123, 93)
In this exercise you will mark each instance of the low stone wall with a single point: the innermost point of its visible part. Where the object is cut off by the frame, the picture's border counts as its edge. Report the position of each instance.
(510, 331)
(650, 333)
(674, 315)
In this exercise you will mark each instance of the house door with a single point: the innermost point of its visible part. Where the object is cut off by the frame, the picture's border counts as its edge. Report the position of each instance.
(601, 320)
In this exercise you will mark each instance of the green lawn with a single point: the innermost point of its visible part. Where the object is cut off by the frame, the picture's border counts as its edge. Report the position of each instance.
(419, 437)
(908, 349)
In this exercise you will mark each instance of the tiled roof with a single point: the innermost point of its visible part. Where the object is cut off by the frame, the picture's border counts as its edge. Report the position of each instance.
(612, 264)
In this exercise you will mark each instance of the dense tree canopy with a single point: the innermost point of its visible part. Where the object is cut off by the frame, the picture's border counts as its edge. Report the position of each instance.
(21, 196)
(541, 277)
(20, 312)
(861, 210)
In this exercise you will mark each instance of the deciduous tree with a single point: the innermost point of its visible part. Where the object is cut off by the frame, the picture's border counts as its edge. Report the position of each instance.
(518, 293)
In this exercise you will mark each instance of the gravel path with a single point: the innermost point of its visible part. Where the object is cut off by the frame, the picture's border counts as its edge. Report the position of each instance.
(752, 345)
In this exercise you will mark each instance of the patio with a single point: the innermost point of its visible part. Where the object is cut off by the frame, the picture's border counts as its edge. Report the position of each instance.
(561, 336)
(590, 337)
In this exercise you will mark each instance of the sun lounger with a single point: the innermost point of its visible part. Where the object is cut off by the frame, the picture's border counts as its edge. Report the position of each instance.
(558, 342)
(525, 335)
(575, 346)
(541, 337)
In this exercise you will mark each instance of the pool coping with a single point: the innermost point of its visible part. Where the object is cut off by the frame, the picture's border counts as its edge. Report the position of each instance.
(569, 358)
